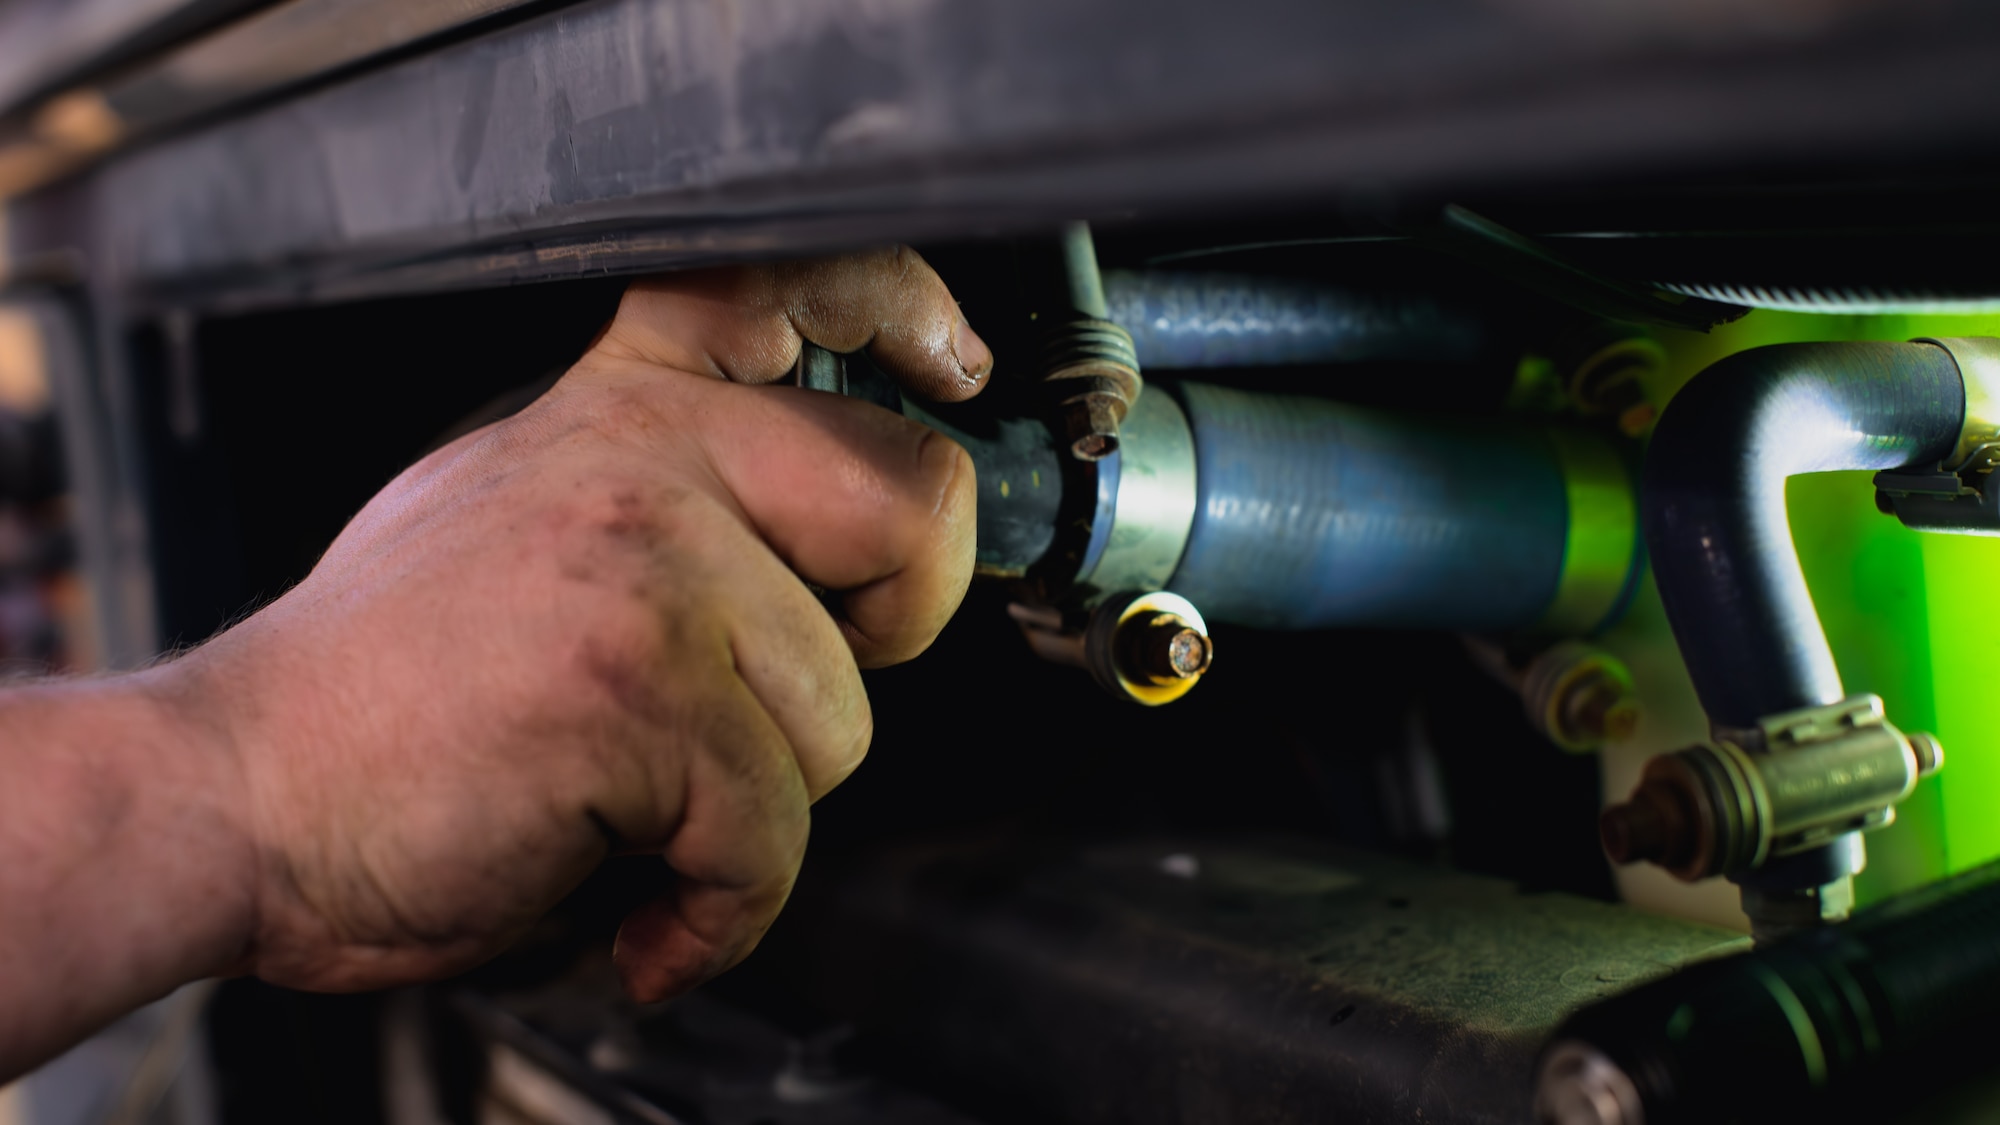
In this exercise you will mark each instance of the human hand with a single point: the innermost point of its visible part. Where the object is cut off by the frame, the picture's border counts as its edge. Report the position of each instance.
(586, 629)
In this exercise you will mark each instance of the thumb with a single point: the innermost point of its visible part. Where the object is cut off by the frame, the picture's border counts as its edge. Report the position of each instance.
(748, 323)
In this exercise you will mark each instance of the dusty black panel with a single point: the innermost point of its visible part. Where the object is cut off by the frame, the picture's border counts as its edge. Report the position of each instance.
(1230, 978)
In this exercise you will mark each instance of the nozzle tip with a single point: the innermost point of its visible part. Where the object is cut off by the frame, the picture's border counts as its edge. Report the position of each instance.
(1929, 751)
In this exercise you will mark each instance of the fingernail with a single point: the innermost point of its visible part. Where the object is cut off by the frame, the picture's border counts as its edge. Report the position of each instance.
(973, 354)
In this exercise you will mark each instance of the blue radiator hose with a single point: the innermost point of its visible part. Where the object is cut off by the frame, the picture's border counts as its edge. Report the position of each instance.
(1192, 320)
(1314, 514)
(1295, 512)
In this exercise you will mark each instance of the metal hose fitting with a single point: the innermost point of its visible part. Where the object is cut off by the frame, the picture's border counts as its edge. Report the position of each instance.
(1146, 648)
(1719, 539)
(1720, 809)
(1151, 648)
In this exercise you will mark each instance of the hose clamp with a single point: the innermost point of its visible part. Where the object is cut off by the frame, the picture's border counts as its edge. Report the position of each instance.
(1957, 495)
(1146, 496)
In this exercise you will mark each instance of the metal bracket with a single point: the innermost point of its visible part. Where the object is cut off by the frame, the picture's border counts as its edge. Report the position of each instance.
(1960, 502)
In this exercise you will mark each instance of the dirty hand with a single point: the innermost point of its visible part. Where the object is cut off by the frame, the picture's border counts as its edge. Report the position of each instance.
(586, 630)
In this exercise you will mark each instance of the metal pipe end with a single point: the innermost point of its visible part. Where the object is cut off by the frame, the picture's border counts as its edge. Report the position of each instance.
(1929, 752)
(1667, 821)
(1094, 446)
(1093, 419)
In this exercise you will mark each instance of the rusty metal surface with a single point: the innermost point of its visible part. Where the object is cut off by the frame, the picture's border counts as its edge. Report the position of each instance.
(290, 42)
(627, 134)
(1215, 980)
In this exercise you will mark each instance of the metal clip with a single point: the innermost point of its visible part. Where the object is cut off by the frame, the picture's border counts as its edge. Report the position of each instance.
(1963, 502)
(1953, 495)
(1830, 722)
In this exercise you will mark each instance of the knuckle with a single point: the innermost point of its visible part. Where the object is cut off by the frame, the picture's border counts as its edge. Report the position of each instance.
(908, 265)
(947, 473)
(859, 736)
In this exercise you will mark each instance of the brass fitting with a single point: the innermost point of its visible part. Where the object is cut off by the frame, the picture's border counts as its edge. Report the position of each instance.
(1720, 809)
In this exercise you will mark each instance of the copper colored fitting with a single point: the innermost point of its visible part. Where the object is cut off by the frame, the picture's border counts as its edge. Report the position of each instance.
(1091, 422)
(1669, 820)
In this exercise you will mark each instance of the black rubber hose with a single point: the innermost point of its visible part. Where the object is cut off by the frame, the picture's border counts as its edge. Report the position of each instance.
(1020, 487)
(1842, 1023)
(1713, 503)
(1020, 472)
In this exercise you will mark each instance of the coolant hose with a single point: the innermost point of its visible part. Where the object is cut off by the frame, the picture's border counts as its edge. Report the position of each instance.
(1304, 513)
(1714, 503)
(1295, 512)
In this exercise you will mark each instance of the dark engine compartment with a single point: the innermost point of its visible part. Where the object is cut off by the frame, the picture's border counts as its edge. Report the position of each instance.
(1358, 873)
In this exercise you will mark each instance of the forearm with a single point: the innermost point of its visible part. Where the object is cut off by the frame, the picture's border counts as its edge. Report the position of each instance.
(123, 873)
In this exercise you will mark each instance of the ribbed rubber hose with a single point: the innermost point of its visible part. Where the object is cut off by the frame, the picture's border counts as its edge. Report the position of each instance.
(1314, 514)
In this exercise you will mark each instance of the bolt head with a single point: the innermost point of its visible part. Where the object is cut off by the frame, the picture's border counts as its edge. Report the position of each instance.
(1579, 1085)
